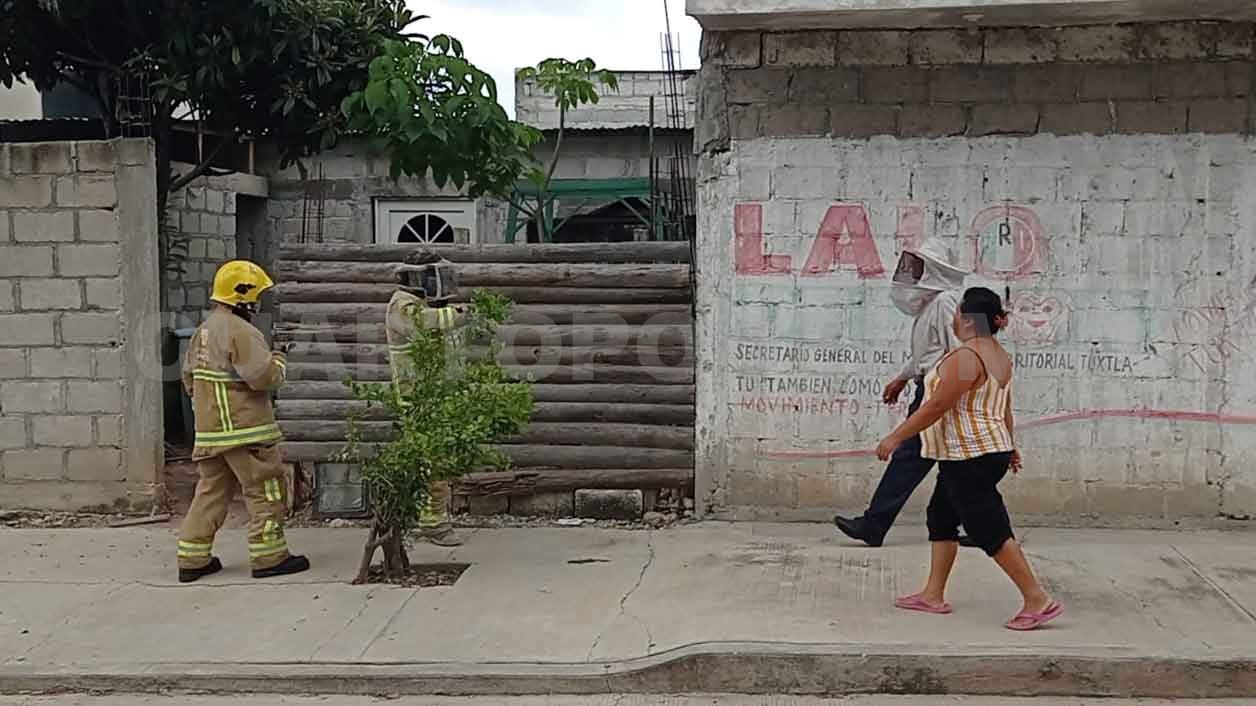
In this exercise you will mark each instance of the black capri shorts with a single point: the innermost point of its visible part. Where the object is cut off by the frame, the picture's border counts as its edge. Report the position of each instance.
(967, 493)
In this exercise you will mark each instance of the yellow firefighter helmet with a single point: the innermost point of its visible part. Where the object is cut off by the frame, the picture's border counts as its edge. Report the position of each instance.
(240, 282)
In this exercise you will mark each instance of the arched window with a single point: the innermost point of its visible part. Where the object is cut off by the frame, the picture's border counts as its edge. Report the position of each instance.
(426, 228)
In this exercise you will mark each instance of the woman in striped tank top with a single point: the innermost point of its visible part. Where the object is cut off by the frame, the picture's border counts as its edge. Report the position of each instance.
(966, 425)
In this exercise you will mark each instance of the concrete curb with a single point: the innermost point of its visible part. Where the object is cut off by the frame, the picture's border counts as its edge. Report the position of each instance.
(745, 668)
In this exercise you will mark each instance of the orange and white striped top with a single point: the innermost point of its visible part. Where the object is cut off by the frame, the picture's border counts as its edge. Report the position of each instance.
(975, 426)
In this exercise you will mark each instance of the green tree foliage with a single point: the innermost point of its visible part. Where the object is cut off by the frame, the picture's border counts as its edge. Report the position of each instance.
(572, 84)
(444, 422)
(431, 109)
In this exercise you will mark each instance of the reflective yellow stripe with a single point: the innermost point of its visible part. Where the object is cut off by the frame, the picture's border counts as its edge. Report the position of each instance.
(250, 435)
(195, 545)
(282, 365)
(399, 348)
(224, 407)
(258, 551)
(273, 492)
(195, 550)
(213, 375)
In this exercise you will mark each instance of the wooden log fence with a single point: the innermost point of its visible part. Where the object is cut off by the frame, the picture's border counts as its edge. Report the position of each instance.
(602, 330)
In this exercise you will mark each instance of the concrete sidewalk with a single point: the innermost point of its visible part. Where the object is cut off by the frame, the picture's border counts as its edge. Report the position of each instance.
(745, 608)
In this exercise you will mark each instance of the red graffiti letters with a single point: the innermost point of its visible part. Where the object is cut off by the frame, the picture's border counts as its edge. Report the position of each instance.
(748, 244)
(845, 238)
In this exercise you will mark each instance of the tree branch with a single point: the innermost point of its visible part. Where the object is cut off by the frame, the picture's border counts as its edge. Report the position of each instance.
(204, 167)
(558, 145)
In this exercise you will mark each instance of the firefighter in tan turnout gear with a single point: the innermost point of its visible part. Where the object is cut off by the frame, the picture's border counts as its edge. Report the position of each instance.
(230, 373)
(426, 284)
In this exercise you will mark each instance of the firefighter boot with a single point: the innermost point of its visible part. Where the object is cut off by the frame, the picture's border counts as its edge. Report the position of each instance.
(292, 565)
(190, 575)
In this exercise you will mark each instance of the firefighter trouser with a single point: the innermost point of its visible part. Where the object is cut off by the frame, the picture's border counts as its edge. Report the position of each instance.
(259, 474)
(434, 519)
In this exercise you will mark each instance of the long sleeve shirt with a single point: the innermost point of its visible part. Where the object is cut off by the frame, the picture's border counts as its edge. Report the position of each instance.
(932, 335)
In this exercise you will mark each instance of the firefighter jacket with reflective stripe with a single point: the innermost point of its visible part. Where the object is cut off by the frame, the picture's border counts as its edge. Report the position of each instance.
(403, 311)
(230, 373)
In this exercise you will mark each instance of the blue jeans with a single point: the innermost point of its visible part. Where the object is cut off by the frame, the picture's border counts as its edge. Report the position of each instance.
(902, 476)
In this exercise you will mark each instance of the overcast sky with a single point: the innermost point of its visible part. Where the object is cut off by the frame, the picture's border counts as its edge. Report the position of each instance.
(502, 35)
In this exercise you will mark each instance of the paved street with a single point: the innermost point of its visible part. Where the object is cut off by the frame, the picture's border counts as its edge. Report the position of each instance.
(696, 608)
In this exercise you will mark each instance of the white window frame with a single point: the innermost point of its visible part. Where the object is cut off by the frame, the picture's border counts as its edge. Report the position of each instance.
(386, 207)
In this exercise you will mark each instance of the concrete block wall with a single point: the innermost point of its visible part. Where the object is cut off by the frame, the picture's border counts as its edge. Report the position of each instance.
(627, 107)
(353, 177)
(80, 422)
(205, 219)
(1125, 236)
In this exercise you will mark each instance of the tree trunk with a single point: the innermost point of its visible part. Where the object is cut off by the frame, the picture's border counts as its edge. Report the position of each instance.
(368, 553)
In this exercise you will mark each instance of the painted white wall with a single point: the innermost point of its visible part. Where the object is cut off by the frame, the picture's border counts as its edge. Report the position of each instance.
(21, 102)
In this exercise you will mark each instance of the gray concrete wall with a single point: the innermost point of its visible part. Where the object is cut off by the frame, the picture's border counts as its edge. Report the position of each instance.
(627, 107)
(204, 215)
(354, 176)
(80, 378)
(1105, 176)
(614, 155)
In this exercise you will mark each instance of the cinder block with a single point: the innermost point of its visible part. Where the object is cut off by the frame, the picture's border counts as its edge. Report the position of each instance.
(26, 192)
(1176, 40)
(490, 505)
(94, 397)
(1125, 82)
(12, 435)
(946, 46)
(12, 363)
(216, 249)
(969, 85)
(229, 203)
(1018, 45)
(40, 158)
(33, 464)
(1194, 80)
(109, 431)
(44, 294)
(1046, 83)
(25, 261)
(68, 432)
(1218, 116)
(763, 85)
(824, 86)
(1153, 118)
(214, 200)
(7, 301)
(104, 294)
(732, 49)
(27, 329)
(97, 329)
(89, 260)
(190, 222)
(96, 155)
(1105, 43)
(87, 191)
(859, 121)
(1003, 119)
(33, 397)
(1235, 40)
(872, 48)
(610, 504)
(543, 505)
(818, 48)
(43, 227)
(108, 363)
(900, 84)
(6, 233)
(98, 225)
(98, 464)
(794, 121)
(1078, 119)
(63, 362)
(227, 226)
(932, 121)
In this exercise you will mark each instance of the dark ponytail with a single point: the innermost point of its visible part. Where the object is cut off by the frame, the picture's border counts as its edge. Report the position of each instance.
(983, 308)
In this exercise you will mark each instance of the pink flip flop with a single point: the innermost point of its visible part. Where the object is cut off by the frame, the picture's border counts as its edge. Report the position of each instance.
(916, 603)
(1024, 622)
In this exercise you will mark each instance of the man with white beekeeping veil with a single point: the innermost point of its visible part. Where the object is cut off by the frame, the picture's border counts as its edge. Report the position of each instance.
(927, 287)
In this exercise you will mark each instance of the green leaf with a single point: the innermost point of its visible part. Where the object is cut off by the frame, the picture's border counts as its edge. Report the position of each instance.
(376, 96)
(401, 93)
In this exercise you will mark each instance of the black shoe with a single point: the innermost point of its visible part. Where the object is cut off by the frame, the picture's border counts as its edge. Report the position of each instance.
(291, 565)
(858, 530)
(190, 575)
(966, 541)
